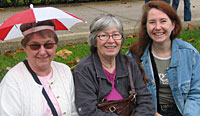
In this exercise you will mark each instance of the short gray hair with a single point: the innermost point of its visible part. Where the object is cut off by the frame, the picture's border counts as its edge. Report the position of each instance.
(101, 23)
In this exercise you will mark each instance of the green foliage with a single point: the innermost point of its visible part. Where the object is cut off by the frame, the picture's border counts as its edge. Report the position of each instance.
(81, 50)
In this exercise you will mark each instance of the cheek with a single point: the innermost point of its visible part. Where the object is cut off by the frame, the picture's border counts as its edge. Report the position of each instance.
(149, 28)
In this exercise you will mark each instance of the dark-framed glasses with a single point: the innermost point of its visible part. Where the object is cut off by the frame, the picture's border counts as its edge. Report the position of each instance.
(36, 46)
(105, 37)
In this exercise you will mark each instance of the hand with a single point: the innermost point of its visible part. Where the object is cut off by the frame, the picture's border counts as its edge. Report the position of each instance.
(157, 114)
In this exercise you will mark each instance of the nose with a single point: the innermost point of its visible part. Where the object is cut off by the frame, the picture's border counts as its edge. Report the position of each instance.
(111, 39)
(42, 50)
(158, 26)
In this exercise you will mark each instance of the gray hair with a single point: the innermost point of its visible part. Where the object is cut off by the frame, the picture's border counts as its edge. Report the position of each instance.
(101, 23)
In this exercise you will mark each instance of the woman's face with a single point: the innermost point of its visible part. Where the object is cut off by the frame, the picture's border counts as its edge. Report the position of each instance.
(40, 52)
(159, 26)
(108, 42)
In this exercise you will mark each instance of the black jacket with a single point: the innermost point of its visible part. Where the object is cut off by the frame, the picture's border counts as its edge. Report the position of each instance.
(91, 85)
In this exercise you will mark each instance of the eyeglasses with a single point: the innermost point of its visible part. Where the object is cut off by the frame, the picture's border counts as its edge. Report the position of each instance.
(38, 46)
(105, 37)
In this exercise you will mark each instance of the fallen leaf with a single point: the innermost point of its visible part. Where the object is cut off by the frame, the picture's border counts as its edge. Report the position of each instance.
(191, 27)
(64, 53)
(2, 9)
(122, 2)
(8, 68)
(18, 50)
(7, 53)
(77, 59)
(123, 47)
(70, 63)
(191, 40)
(70, 44)
(131, 35)
(73, 67)
(1, 70)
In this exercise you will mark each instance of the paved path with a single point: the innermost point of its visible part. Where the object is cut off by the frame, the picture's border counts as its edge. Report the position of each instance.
(129, 14)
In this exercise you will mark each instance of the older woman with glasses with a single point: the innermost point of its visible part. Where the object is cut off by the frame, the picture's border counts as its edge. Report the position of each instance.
(103, 74)
(38, 86)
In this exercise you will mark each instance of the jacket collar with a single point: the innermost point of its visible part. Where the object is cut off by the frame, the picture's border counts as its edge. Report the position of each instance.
(175, 54)
(174, 57)
(121, 69)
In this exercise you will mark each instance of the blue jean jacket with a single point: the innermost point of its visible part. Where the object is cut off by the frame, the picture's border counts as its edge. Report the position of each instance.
(183, 75)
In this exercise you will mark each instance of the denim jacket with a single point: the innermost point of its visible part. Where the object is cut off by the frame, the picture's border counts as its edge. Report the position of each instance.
(183, 75)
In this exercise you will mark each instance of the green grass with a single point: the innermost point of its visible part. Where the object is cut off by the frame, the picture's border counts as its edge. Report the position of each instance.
(81, 50)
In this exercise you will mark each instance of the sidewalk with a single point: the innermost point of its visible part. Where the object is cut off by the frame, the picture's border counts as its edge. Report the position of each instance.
(129, 13)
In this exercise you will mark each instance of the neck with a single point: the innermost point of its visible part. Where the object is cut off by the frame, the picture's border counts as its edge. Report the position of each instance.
(41, 71)
(161, 50)
(108, 63)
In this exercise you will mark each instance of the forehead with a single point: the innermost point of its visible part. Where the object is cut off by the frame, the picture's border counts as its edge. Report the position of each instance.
(110, 30)
(156, 14)
(40, 39)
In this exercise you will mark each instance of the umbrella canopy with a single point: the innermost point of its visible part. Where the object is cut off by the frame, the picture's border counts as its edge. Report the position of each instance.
(10, 29)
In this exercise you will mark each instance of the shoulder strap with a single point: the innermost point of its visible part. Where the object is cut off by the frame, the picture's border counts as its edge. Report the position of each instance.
(130, 74)
(155, 71)
(53, 110)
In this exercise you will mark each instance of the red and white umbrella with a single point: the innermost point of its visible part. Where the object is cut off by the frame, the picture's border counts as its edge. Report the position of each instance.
(63, 21)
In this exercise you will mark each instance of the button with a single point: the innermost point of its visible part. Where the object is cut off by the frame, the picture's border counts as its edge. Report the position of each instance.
(64, 113)
(58, 97)
(79, 109)
(51, 83)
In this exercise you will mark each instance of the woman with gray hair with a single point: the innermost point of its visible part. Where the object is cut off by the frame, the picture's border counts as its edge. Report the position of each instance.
(103, 74)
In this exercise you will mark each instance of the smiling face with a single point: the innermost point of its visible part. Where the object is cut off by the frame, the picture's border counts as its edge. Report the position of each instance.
(40, 59)
(159, 26)
(110, 47)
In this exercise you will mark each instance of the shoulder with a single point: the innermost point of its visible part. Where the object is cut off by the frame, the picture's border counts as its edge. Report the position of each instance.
(87, 61)
(17, 74)
(183, 45)
(60, 68)
(18, 69)
(130, 58)
(59, 65)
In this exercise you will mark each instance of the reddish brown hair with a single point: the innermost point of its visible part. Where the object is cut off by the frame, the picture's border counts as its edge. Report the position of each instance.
(140, 45)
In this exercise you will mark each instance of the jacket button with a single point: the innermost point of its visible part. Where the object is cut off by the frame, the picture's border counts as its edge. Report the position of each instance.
(64, 113)
(58, 97)
(51, 83)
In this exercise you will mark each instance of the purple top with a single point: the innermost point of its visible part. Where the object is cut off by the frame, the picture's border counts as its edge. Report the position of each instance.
(114, 94)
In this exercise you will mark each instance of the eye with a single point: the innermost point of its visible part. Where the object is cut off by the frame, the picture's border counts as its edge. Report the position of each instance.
(163, 21)
(116, 34)
(151, 22)
(35, 45)
(49, 45)
(103, 35)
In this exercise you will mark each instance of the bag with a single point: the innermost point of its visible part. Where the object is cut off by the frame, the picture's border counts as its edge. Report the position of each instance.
(123, 107)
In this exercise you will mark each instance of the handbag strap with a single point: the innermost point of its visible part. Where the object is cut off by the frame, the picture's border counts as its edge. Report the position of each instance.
(53, 110)
(155, 71)
(130, 74)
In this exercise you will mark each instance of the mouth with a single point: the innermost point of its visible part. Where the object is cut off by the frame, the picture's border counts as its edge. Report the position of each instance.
(158, 33)
(42, 57)
(110, 47)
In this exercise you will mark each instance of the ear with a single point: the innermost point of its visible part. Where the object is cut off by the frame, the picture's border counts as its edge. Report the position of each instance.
(173, 25)
(95, 45)
(24, 48)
